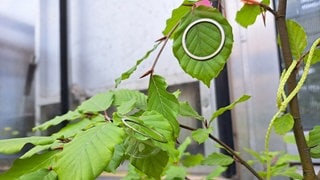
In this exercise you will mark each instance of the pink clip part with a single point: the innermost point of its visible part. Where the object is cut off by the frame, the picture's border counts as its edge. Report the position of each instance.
(203, 3)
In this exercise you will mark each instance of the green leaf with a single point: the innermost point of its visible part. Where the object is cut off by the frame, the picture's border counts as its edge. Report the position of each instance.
(125, 95)
(255, 154)
(229, 107)
(192, 160)
(297, 38)
(217, 159)
(12, 146)
(162, 101)
(266, 2)
(87, 155)
(283, 124)
(187, 110)
(117, 158)
(158, 122)
(175, 18)
(316, 57)
(152, 165)
(247, 15)
(287, 158)
(97, 103)
(125, 108)
(128, 73)
(216, 172)
(70, 115)
(43, 174)
(35, 150)
(76, 127)
(176, 173)
(201, 135)
(202, 40)
(33, 164)
(183, 146)
(289, 138)
(314, 142)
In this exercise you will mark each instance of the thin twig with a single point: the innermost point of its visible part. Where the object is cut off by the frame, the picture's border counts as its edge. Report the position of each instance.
(230, 151)
(165, 40)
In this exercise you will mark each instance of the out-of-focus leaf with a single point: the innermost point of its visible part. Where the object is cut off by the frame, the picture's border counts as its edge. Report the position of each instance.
(218, 170)
(176, 173)
(201, 135)
(248, 14)
(314, 142)
(283, 124)
(316, 57)
(217, 159)
(192, 160)
(297, 38)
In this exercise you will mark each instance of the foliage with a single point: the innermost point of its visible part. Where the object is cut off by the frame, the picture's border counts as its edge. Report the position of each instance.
(142, 129)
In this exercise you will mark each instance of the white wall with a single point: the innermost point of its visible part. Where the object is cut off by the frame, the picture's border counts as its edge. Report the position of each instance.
(17, 19)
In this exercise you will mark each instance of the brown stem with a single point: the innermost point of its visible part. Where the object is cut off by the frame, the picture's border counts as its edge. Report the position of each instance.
(304, 153)
(236, 157)
(165, 39)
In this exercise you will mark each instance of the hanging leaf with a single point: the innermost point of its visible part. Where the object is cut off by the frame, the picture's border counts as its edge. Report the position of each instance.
(217, 159)
(229, 107)
(314, 142)
(86, 156)
(201, 135)
(12, 146)
(176, 16)
(248, 14)
(127, 74)
(97, 103)
(283, 124)
(33, 164)
(297, 38)
(163, 102)
(205, 40)
(70, 115)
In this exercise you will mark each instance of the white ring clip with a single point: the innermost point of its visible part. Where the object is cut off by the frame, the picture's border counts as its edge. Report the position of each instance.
(203, 58)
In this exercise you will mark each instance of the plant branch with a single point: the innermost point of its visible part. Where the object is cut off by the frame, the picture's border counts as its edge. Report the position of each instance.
(304, 152)
(165, 40)
(230, 151)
